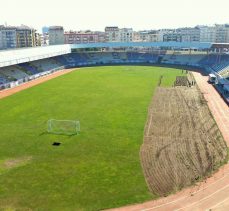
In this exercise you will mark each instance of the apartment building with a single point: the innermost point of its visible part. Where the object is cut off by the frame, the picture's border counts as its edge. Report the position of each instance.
(56, 35)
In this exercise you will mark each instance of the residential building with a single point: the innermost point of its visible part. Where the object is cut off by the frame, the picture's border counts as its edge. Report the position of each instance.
(26, 37)
(9, 37)
(207, 33)
(111, 34)
(44, 39)
(101, 36)
(17, 37)
(56, 35)
(227, 28)
(37, 39)
(136, 36)
(221, 33)
(125, 35)
(162, 32)
(1, 37)
(172, 36)
(72, 37)
(146, 36)
(189, 34)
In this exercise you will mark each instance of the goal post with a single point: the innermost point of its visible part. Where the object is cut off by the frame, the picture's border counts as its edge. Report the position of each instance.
(64, 127)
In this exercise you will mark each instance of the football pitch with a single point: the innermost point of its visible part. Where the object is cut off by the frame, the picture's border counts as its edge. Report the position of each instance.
(97, 169)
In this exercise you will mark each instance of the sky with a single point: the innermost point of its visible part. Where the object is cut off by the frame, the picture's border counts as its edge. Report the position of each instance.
(96, 14)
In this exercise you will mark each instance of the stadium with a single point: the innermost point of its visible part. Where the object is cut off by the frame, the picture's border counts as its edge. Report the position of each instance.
(107, 125)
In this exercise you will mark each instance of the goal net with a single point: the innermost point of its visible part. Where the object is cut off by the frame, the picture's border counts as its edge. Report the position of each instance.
(65, 127)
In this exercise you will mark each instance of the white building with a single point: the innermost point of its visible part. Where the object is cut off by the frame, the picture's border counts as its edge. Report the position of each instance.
(222, 33)
(207, 33)
(8, 37)
(111, 34)
(56, 35)
(162, 32)
(227, 38)
(146, 36)
(26, 37)
(189, 34)
(18, 37)
(44, 39)
(126, 35)
(1, 37)
(114, 34)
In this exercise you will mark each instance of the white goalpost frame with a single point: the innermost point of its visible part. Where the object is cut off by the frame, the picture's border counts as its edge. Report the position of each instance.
(65, 127)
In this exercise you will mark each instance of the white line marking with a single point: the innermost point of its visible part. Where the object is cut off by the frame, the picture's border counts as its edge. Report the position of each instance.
(152, 208)
(216, 205)
(190, 205)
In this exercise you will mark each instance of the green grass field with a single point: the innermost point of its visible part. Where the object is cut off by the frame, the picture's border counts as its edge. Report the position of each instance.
(98, 169)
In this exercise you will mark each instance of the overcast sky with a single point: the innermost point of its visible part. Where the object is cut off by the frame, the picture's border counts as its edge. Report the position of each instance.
(96, 14)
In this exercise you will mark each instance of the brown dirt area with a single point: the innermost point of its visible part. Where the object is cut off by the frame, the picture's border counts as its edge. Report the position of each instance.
(12, 163)
(182, 142)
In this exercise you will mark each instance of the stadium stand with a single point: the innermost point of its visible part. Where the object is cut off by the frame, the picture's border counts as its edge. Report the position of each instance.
(31, 70)
(16, 68)
(3, 80)
(11, 76)
(224, 72)
(14, 72)
(23, 70)
(98, 58)
(182, 59)
(46, 65)
(222, 91)
(215, 62)
(135, 57)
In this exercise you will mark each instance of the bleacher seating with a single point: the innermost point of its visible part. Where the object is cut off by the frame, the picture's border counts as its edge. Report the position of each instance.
(223, 93)
(180, 59)
(215, 62)
(30, 70)
(84, 59)
(142, 57)
(3, 80)
(45, 64)
(209, 60)
(224, 72)
(62, 60)
(17, 74)
(14, 72)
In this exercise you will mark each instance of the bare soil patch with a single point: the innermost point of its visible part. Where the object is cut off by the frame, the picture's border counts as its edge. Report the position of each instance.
(181, 81)
(182, 142)
(15, 162)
